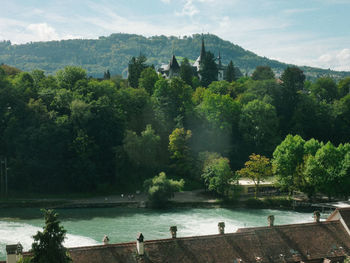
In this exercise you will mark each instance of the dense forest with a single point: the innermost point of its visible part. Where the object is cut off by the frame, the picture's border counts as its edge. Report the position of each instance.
(68, 132)
(115, 51)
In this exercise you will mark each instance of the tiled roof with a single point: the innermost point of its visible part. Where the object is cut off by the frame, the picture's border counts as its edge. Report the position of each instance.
(288, 243)
(345, 214)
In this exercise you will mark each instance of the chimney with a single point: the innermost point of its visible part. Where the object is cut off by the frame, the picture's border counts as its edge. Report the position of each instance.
(14, 253)
(221, 227)
(173, 230)
(271, 220)
(139, 244)
(105, 240)
(317, 216)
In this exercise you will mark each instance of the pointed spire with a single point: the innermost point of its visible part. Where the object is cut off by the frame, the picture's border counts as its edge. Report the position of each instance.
(219, 60)
(173, 63)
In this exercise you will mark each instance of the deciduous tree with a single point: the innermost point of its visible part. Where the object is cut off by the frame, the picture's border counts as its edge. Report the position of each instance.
(257, 168)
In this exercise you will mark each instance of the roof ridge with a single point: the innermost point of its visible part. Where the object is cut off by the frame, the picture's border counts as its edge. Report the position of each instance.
(288, 225)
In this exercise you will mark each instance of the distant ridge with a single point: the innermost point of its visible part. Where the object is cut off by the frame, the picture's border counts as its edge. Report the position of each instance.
(114, 52)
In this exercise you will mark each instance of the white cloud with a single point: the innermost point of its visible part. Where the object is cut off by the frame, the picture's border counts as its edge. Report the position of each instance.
(165, 1)
(298, 10)
(189, 9)
(338, 60)
(42, 32)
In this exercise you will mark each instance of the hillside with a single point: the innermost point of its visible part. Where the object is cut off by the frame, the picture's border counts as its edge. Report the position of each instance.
(115, 51)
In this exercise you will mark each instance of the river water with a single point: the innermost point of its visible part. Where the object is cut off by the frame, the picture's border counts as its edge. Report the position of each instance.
(88, 226)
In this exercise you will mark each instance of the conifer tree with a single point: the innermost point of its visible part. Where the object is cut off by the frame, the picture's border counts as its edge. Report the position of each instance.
(230, 72)
(135, 67)
(47, 246)
(209, 69)
(186, 72)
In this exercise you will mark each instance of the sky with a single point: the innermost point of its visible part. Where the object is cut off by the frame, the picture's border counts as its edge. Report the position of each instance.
(302, 32)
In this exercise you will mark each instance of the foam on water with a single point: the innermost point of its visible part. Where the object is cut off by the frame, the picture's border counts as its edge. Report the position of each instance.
(85, 226)
(14, 232)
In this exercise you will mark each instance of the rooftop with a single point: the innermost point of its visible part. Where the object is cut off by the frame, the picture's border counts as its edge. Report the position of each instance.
(286, 243)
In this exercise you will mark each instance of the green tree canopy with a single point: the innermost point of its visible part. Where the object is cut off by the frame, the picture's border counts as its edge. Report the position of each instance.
(324, 89)
(48, 245)
(286, 159)
(69, 76)
(142, 150)
(180, 151)
(217, 175)
(208, 69)
(259, 126)
(147, 79)
(230, 74)
(257, 168)
(135, 67)
(263, 73)
(344, 87)
(160, 189)
(186, 71)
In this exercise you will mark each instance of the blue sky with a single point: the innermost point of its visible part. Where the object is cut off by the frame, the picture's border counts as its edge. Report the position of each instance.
(303, 32)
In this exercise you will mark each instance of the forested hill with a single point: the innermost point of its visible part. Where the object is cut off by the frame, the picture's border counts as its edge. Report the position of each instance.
(115, 51)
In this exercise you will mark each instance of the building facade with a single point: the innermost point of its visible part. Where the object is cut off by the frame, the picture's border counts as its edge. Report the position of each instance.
(172, 69)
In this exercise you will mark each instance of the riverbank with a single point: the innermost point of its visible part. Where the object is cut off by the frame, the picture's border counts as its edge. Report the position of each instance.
(193, 199)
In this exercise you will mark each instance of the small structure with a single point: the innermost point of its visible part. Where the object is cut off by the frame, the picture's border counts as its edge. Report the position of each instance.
(317, 216)
(173, 230)
(105, 240)
(271, 220)
(265, 187)
(170, 70)
(14, 253)
(139, 244)
(221, 227)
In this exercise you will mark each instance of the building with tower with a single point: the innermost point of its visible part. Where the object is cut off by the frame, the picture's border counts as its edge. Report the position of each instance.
(172, 69)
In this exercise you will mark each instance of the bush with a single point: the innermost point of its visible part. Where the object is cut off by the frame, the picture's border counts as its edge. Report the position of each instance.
(160, 189)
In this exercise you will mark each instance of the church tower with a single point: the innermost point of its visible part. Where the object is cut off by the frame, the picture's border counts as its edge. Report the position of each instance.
(221, 68)
(200, 59)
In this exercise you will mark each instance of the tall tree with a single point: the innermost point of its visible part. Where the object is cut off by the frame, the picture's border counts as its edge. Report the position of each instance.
(217, 175)
(257, 168)
(286, 159)
(135, 67)
(292, 81)
(48, 245)
(208, 69)
(324, 89)
(180, 152)
(259, 126)
(186, 71)
(147, 79)
(230, 72)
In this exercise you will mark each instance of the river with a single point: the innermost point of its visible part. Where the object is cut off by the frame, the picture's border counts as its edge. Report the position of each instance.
(88, 226)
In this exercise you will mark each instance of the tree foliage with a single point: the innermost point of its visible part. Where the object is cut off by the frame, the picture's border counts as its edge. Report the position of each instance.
(48, 245)
(160, 189)
(263, 73)
(257, 168)
(186, 71)
(135, 68)
(208, 69)
(217, 174)
(230, 74)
